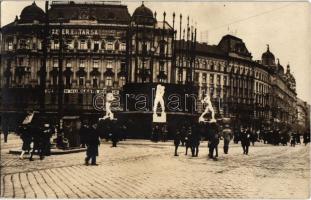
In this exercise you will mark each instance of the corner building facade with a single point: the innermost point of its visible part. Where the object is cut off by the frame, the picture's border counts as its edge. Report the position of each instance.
(99, 46)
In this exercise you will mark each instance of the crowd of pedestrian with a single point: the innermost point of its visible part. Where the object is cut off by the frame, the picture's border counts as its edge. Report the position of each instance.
(36, 137)
(191, 135)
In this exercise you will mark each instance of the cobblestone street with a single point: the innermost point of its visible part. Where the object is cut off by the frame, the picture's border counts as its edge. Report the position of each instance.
(141, 169)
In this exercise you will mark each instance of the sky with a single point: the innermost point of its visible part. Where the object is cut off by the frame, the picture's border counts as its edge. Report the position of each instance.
(285, 26)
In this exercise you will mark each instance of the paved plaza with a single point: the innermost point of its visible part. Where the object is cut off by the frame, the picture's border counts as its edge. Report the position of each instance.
(143, 169)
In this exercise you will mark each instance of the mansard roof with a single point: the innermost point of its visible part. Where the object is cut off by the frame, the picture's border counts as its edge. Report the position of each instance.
(233, 44)
(101, 12)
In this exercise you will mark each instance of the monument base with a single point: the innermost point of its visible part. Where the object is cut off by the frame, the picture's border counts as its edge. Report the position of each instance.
(159, 119)
(207, 121)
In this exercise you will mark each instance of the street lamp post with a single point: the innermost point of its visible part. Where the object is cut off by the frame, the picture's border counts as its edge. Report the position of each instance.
(60, 72)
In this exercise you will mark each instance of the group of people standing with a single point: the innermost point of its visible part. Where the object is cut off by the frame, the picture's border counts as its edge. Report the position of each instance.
(190, 137)
(37, 135)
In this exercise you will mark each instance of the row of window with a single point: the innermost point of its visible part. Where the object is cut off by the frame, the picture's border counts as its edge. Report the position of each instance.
(87, 45)
(108, 80)
(23, 44)
(70, 44)
(262, 88)
(206, 65)
(83, 63)
(262, 77)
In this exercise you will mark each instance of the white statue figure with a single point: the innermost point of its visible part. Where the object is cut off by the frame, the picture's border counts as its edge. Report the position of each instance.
(208, 107)
(28, 118)
(159, 100)
(109, 100)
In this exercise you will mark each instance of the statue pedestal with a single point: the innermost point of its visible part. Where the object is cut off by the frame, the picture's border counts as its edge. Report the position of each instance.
(201, 119)
(159, 118)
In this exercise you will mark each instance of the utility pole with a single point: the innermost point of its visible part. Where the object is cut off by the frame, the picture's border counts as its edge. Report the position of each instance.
(44, 59)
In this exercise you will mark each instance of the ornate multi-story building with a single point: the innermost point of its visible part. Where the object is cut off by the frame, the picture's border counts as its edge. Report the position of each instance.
(97, 46)
(74, 51)
(283, 96)
(239, 87)
(303, 116)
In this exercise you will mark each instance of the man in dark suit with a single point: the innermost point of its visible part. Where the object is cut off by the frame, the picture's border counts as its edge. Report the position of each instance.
(92, 143)
(213, 141)
(245, 140)
(177, 139)
(227, 135)
(196, 140)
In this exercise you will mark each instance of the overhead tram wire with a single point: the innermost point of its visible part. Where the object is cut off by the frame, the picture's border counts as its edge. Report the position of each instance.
(250, 17)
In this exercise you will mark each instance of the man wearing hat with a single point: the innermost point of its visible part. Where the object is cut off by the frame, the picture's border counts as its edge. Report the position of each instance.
(227, 135)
